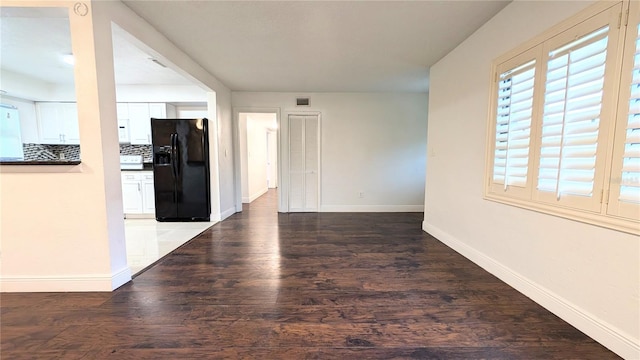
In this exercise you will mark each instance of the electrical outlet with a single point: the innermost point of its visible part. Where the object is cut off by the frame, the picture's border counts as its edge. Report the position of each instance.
(361, 194)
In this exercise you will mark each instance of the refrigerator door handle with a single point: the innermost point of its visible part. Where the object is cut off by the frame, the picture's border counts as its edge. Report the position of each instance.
(176, 151)
(174, 156)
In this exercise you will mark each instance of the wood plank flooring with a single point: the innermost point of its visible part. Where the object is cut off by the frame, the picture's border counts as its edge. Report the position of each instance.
(263, 285)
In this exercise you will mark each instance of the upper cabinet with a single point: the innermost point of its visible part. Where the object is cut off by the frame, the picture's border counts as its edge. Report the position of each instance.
(139, 124)
(139, 116)
(58, 123)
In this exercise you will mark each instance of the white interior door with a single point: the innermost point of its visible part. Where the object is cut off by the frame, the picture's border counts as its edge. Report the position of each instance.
(304, 163)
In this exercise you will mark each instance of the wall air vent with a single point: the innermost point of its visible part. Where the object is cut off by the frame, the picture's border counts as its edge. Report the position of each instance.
(302, 101)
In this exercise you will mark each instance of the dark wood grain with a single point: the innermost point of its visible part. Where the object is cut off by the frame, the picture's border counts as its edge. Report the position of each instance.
(263, 285)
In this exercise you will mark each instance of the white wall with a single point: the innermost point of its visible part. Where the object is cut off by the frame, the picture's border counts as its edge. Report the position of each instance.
(26, 87)
(586, 274)
(186, 112)
(226, 171)
(160, 93)
(62, 226)
(78, 243)
(370, 142)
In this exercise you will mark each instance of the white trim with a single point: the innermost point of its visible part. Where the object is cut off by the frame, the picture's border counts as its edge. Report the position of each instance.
(225, 214)
(596, 219)
(139, 216)
(604, 333)
(120, 278)
(372, 208)
(77, 283)
(251, 198)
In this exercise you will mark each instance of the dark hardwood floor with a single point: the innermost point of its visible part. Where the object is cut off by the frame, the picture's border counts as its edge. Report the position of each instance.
(297, 286)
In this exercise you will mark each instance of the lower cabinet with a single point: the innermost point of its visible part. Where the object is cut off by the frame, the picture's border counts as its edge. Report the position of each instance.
(138, 196)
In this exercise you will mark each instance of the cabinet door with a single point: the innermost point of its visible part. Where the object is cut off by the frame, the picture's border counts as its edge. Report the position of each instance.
(122, 111)
(49, 126)
(148, 195)
(158, 110)
(131, 197)
(70, 126)
(139, 124)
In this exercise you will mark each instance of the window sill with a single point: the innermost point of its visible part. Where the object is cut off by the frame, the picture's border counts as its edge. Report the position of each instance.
(597, 219)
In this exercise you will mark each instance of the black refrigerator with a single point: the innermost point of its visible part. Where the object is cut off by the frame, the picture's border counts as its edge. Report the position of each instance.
(181, 169)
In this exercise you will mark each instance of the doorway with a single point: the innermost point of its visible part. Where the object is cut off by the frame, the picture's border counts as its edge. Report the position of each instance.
(258, 154)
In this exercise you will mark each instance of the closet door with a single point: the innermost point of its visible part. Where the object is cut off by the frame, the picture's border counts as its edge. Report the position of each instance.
(304, 163)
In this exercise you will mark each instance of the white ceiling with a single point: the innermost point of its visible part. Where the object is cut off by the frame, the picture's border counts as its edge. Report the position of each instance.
(34, 41)
(306, 46)
(317, 45)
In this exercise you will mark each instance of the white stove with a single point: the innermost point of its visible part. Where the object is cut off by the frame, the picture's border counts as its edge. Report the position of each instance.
(131, 162)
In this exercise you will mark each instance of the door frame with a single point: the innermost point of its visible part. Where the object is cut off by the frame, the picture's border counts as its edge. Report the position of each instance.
(237, 162)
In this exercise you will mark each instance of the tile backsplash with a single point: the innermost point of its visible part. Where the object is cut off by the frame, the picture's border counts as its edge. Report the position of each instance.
(144, 150)
(50, 152)
(72, 152)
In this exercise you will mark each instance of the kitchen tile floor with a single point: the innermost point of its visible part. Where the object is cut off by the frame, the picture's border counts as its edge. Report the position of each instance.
(149, 240)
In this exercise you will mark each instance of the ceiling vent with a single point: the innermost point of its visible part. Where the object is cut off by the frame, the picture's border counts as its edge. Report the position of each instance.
(158, 62)
(302, 101)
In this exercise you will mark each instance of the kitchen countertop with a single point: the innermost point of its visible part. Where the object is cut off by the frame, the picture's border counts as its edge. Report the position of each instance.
(41, 162)
(145, 167)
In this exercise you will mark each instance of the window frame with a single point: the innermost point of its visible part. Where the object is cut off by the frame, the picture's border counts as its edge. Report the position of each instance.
(595, 209)
(533, 54)
(616, 207)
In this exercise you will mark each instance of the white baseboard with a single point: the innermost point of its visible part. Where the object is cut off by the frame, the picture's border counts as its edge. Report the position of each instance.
(257, 194)
(602, 332)
(372, 208)
(139, 216)
(120, 278)
(79, 283)
(225, 214)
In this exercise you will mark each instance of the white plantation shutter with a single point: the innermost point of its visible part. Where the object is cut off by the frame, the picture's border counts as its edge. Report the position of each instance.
(630, 177)
(571, 116)
(624, 198)
(513, 125)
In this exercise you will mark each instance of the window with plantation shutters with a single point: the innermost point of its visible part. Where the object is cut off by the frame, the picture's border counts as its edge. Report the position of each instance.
(513, 125)
(571, 116)
(564, 120)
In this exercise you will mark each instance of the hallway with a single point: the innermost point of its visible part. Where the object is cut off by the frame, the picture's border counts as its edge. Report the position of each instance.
(265, 285)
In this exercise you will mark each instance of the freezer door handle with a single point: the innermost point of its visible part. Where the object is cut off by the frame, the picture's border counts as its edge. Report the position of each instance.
(174, 155)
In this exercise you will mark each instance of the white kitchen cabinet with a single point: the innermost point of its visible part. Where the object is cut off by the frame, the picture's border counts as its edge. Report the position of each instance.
(122, 111)
(148, 194)
(138, 196)
(58, 123)
(140, 114)
(162, 111)
(131, 195)
(70, 127)
(139, 124)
